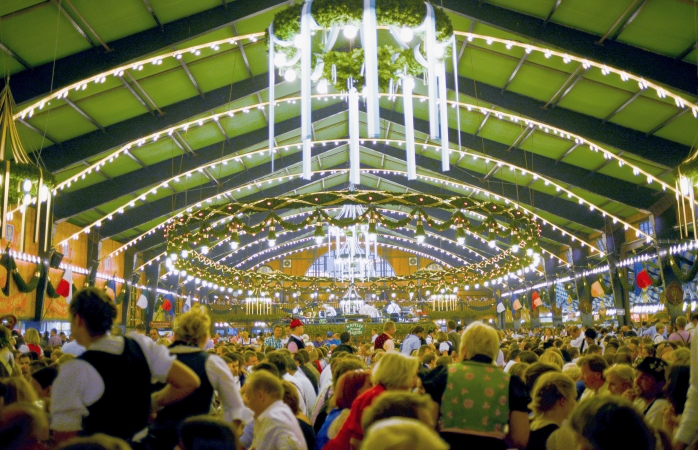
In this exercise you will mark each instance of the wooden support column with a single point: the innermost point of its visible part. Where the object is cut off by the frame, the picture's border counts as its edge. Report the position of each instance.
(93, 247)
(129, 264)
(44, 257)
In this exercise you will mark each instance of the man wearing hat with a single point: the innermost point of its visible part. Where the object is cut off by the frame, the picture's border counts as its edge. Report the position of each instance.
(649, 383)
(295, 340)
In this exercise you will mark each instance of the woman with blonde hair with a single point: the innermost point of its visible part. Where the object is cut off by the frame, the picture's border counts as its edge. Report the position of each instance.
(553, 358)
(394, 372)
(477, 400)
(32, 341)
(553, 399)
(7, 361)
(401, 433)
(620, 378)
(191, 331)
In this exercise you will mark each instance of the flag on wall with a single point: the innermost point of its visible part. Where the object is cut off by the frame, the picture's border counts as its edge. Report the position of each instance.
(516, 305)
(187, 305)
(65, 286)
(142, 302)
(536, 301)
(110, 289)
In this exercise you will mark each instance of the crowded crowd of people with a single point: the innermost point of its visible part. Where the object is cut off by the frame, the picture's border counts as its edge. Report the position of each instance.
(591, 388)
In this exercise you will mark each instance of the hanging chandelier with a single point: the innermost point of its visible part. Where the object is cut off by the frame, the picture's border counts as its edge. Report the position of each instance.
(22, 183)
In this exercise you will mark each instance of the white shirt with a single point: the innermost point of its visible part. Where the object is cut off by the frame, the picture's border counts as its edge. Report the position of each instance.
(393, 308)
(325, 378)
(578, 342)
(429, 340)
(79, 385)
(301, 392)
(73, 348)
(373, 338)
(653, 416)
(223, 383)
(389, 345)
(308, 389)
(278, 429)
(508, 366)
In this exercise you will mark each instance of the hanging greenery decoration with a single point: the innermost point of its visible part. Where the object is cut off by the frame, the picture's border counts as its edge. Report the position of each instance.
(21, 172)
(195, 233)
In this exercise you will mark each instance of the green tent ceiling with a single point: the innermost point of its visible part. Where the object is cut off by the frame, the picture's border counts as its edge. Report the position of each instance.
(577, 192)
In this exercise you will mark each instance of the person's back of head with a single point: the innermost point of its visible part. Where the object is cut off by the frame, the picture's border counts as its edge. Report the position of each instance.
(279, 360)
(401, 404)
(528, 357)
(267, 367)
(207, 433)
(140, 328)
(22, 426)
(535, 370)
(344, 337)
(95, 442)
(399, 433)
(610, 423)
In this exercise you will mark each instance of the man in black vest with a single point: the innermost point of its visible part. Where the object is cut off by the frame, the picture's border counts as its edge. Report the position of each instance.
(295, 341)
(108, 389)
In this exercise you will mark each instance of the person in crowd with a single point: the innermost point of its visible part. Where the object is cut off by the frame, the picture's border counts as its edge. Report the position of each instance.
(72, 347)
(348, 387)
(412, 341)
(295, 341)
(534, 371)
(191, 332)
(676, 391)
(90, 391)
(18, 390)
(155, 334)
(23, 426)
(552, 357)
(553, 399)
(659, 336)
(467, 388)
(593, 367)
(648, 393)
(687, 432)
(443, 345)
(402, 404)
(681, 335)
(619, 378)
(344, 345)
(429, 361)
(400, 433)
(453, 336)
(611, 423)
(339, 367)
(97, 441)
(393, 372)
(275, 339)
(55, 339)
(278, 359)
(275, 426)
(42, 383)
(302, 360)
(385, 340)
(512, 358)
(291, 399)
(309, 394)
(32, 341)
(7, 361)
(207, 432)
(23, 363)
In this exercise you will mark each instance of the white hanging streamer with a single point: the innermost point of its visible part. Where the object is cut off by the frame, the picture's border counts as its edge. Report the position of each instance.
(369, 38)
(443, 117)
(407, 87)
(306, 106)
(430, 24)
(455, 80)
(354, 152)
(272, 98)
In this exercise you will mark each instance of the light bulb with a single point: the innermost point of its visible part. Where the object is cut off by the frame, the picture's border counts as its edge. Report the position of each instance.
(322, 86)
(461, 240)
(492, 243)
(515, 248)
(272, 242)
(279, 59)
(318, 240)
(684, 182)
(184, 254)
(298, 41)
(43, 193)
(529, 251)
(420, 238)
(290, 75)
(27, 185)
(234, 245)
(173, 256)
(406, 34)
(27, 199)
(350, 31)
(204, 249)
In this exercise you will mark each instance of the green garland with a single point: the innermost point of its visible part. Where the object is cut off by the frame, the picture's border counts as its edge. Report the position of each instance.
(21, 172)
(329, 13)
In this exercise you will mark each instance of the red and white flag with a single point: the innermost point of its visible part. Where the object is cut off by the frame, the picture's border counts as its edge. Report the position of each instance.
(65, 287)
